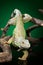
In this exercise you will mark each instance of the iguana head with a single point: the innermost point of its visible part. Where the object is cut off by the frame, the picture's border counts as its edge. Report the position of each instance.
(22, 43)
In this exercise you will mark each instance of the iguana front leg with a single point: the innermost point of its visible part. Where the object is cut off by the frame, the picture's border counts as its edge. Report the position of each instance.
(25, 55)
(10, 22)
(10, 40)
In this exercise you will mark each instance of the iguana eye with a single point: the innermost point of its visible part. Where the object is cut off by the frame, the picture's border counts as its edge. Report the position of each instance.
(12, 15)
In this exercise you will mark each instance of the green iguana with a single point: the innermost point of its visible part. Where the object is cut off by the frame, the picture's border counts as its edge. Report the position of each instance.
(18, 38)
(19, 34)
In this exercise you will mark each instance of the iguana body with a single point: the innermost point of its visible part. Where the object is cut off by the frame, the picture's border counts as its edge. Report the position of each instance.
(19, 30)
(19, 33)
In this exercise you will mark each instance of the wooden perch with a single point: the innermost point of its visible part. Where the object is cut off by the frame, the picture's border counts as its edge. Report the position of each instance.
(40, 10)
(31, 39)
(6, 55)
(37, 21)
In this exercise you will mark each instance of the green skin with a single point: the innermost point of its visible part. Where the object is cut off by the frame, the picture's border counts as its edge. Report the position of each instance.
(19, 30)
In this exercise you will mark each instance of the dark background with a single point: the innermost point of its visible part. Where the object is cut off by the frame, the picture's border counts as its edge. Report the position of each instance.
(25, 6)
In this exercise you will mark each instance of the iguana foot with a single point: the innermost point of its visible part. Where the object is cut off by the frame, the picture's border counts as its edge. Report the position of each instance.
(24, 57)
